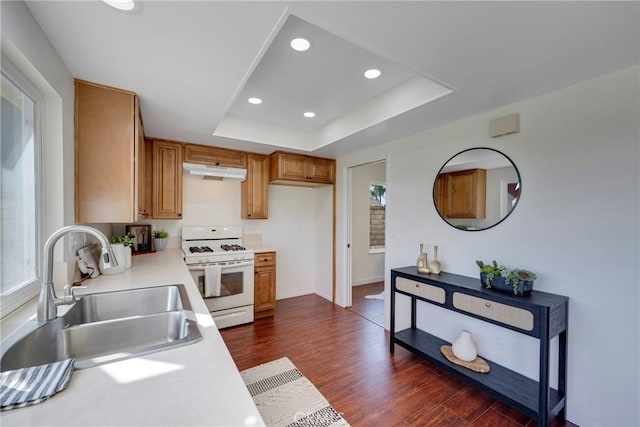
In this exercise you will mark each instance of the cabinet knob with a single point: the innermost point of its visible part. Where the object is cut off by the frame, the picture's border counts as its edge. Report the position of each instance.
(266, 259)
(417, 286)
(487, 304)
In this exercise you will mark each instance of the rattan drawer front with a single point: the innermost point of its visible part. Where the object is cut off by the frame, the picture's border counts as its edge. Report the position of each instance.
(432, 293)
(264, 259)
(506, 314)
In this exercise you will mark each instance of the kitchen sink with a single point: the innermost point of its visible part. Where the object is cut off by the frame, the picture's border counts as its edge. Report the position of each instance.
(106, 327)
(132, 302)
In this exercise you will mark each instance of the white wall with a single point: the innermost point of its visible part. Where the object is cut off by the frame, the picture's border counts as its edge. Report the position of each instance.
(576, 225)
(299, 228)
(365, 267)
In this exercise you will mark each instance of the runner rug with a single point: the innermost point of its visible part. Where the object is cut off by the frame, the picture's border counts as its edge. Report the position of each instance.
(285, 397)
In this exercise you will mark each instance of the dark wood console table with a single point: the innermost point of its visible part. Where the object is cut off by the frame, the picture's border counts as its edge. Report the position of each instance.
(541, 315)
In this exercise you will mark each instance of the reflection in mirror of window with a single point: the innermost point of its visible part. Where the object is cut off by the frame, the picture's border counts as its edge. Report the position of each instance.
(378, 201)
(19, 190)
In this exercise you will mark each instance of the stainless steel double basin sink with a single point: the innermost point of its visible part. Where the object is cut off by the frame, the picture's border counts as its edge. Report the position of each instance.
(106, 327)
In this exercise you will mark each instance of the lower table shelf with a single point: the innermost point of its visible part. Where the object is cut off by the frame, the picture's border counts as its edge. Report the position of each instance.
(504, 384)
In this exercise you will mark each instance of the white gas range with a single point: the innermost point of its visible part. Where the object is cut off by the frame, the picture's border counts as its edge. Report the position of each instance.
(223, 271)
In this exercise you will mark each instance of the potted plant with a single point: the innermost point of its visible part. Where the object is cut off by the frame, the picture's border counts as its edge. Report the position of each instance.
(501, 278)
(127, 242)
(160, 239)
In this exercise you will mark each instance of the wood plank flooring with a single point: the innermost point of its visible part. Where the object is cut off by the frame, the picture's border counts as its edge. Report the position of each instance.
(347, 358)
(372, 309)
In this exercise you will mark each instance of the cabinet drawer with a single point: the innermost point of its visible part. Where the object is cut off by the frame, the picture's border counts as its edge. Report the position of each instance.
(506, 314)
(264, 259)
(429, 292)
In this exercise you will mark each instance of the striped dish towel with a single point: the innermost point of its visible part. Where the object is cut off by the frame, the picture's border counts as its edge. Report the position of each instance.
(35, 384)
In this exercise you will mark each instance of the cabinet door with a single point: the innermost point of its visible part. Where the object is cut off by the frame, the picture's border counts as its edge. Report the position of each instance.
(105, 166)
(265, 289)
(214, 156)
(167, 180)
(322, 170)
(440, 193)
(142, 167)
(288, 166)
(466, 194)
(255, 189)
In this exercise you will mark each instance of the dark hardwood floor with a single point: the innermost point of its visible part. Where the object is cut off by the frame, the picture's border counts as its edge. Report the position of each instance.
(372, 309)
(347, 358)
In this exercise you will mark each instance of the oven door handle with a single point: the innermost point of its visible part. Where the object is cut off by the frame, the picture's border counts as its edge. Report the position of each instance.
(240, 264)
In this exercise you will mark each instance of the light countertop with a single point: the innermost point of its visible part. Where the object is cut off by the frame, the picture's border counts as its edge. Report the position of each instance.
(259, 248)
(196, 384)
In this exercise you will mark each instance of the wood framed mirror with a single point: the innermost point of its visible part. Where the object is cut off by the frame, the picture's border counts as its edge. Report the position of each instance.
(477, 189)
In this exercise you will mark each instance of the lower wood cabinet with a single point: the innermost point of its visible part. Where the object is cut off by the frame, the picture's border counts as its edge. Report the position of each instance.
(264, 284)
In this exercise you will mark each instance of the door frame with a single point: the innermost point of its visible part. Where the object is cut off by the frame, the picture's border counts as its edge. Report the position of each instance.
(349, 229)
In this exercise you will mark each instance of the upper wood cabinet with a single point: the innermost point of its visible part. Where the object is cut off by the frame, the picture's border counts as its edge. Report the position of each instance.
(143, 169)
(298, 169)
(167, 179)
(255, 189)
(109, 163)
(461, 194)
(207, 155)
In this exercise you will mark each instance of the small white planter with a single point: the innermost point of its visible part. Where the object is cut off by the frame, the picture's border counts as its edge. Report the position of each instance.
(160, 244)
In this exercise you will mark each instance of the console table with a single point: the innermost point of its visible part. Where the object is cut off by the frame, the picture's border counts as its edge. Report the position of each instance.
(541, 315)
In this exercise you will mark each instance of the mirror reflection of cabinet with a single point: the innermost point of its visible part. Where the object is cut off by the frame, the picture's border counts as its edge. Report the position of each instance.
(476, 189)
(461, 194)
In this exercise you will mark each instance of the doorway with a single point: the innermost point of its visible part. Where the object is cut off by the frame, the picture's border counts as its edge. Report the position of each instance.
(367, 211)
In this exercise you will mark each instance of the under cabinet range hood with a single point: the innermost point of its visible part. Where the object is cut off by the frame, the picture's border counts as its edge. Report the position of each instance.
(214, 172)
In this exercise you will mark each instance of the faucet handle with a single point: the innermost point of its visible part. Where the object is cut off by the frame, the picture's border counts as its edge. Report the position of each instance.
(69, 296)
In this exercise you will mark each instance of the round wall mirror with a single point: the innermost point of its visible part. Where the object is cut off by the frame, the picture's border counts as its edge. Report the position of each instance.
(477, 189)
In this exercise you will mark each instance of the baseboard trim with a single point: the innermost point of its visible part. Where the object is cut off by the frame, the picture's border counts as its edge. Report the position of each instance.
(367, 281)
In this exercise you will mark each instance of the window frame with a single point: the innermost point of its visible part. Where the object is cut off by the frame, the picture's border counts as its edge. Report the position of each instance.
(15, 298)
(377, 250)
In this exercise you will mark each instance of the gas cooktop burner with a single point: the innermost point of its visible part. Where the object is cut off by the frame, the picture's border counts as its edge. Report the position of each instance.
(200, 249)
(232, 248)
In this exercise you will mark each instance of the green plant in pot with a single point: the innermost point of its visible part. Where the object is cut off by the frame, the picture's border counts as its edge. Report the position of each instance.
(127, 243)
(501, 278)
(160, 239)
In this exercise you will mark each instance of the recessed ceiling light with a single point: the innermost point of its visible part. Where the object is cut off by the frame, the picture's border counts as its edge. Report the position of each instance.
(300, 44)
(372, 73)
(309, 114)
(121, 4)
(255, 101)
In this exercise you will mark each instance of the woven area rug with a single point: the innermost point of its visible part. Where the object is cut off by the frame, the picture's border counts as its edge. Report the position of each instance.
(285, 397)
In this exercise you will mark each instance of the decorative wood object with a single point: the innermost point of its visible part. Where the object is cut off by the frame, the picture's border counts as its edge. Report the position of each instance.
(477, 365)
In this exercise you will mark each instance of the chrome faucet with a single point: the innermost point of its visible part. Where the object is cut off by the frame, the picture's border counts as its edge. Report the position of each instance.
(48, 301)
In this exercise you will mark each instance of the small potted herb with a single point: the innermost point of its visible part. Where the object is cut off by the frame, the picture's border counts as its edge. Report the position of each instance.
(122, 245)
(501, 278)
(160, 239)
